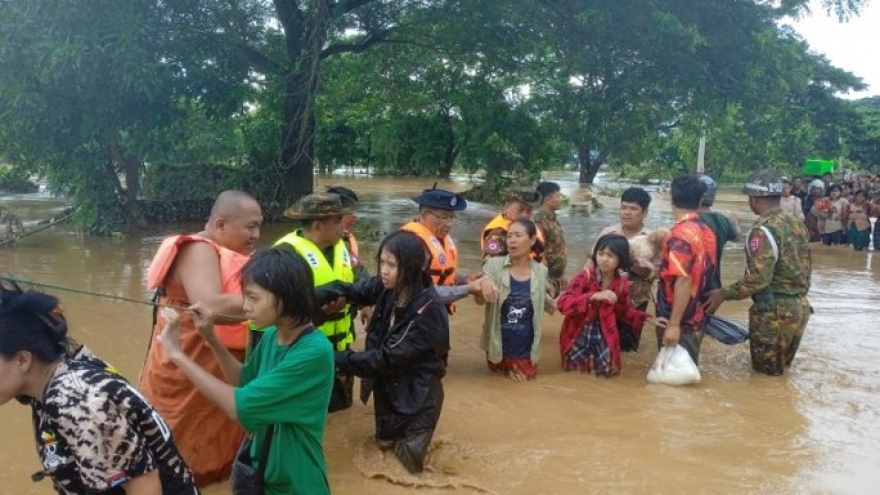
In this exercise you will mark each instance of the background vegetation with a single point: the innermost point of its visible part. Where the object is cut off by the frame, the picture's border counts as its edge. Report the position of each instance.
(118, 103)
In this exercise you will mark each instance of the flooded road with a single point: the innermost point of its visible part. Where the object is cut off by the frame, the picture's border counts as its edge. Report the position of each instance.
(814, 431)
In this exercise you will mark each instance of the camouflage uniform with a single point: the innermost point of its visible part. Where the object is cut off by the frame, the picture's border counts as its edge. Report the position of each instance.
(554, 248)
(777, 278)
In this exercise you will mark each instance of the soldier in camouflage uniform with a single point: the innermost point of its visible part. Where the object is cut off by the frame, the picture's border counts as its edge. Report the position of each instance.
(777, 277)
(554, 240)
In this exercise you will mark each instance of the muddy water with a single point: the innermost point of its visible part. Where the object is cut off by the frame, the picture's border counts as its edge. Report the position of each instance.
(812, 431)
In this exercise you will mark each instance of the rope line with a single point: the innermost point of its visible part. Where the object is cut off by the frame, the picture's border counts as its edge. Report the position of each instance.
(86, 292)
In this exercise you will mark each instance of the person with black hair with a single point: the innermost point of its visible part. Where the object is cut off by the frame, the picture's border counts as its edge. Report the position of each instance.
(554, 238)
(595, 303)
(687, 263)
(407, 345)
(634, 204)
(726, 228)
(831, 212)
(517, 300)
(95, 433)
(281, 393)
(349, 220)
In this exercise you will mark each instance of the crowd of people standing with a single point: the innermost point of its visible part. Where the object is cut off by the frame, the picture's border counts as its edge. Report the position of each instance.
(241, 382)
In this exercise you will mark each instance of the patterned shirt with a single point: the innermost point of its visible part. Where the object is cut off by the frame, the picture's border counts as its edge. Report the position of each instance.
(95, 433)
(688, 251)
(554, 242)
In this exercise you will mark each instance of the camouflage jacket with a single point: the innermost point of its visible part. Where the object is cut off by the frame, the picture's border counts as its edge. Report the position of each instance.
(554, 242)
(778, 259)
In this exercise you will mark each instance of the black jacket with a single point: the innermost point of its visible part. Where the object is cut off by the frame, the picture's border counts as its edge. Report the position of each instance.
(403, 362)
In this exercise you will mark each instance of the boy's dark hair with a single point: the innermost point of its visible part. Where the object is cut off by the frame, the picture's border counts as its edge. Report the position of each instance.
(638, 196)
(547, 188)
(687, 191)
(288, 277)
(32, 321)
(618, 245)
(412, 262)
(863, 192)
(529, 225)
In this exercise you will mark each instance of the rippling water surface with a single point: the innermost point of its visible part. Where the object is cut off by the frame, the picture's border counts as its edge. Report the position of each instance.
(815, 430)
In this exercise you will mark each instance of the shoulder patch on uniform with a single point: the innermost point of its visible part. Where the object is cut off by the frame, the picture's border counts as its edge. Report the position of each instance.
(755, 243)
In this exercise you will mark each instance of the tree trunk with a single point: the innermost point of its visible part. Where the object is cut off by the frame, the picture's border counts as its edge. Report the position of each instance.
(133, 190)
(588, 166)
(451, 151)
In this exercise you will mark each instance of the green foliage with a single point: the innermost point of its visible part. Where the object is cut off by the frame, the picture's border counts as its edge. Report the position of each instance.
(16, 180)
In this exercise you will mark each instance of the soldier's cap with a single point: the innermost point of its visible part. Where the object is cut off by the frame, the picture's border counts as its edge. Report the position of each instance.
(319, 205)
(344, 192)
(528, 197)
(440, 199)
(763, 183)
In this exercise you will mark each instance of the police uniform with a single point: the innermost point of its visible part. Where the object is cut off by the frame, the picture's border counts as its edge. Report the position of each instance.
(329, 266)
(777, 278)
(449, 284)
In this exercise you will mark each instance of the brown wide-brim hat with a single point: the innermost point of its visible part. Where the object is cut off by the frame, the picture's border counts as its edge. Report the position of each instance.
(320, 205)
(528, 197)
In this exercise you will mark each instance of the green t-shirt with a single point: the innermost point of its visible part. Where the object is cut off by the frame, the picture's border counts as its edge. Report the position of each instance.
(290, 388)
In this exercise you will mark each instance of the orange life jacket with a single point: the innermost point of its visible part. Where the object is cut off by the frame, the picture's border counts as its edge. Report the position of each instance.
(233, 336)
(500, 222)
(444, 255)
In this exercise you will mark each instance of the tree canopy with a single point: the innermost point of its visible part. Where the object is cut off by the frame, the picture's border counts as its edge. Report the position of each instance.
(105, 98)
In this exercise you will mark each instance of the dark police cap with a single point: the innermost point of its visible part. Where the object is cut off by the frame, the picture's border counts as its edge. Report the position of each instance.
(440, 199)
(349, 198)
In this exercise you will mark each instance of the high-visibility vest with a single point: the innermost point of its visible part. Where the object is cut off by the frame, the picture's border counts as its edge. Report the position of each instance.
(232, 335)
(500, 222)
(444, 254)
(337, 330)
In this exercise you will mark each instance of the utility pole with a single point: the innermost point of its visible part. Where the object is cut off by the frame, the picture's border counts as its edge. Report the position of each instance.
(701, 152)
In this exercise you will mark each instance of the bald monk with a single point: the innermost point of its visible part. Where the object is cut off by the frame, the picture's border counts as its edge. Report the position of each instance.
(202, 267)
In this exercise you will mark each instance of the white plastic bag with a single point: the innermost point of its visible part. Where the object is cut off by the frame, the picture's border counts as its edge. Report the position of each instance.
(674, 366)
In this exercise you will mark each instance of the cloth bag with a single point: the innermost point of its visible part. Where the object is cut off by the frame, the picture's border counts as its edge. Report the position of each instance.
(674, 366)
(246, 479)
(726, 331)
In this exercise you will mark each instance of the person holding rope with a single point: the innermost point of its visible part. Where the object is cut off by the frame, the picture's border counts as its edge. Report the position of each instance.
(202, 267)
(94, 432)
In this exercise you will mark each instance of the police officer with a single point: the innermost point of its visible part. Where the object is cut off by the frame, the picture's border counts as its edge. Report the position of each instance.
(777, 277)
(438, 210)
(319, 242)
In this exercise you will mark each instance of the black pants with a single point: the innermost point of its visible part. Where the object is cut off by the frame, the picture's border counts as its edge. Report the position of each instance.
(629, 336)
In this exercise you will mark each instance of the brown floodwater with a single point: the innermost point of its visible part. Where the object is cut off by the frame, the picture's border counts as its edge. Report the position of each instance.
(813, 431)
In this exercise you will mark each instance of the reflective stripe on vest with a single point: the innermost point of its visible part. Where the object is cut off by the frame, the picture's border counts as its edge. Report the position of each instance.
(444, 255)
(338, 331)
